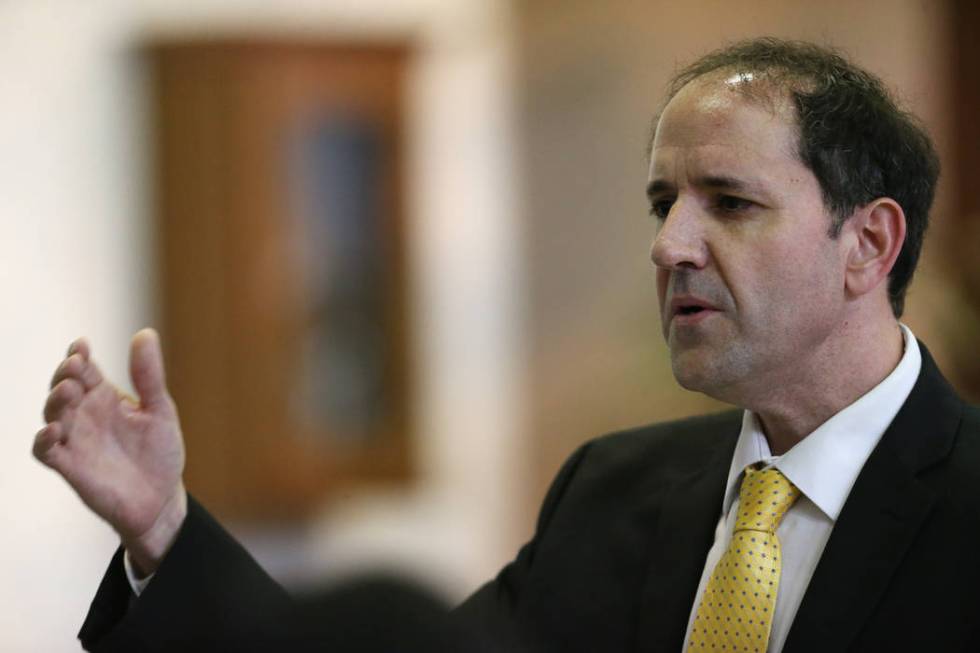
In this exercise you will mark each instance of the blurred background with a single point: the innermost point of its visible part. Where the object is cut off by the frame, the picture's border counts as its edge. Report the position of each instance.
(397, 252)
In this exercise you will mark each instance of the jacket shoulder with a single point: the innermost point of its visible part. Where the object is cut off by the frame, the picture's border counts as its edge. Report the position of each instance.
(679, 446)
(965, 456)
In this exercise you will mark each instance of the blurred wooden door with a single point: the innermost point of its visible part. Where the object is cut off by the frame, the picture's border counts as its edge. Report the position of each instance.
(965, 236)
(282, 269)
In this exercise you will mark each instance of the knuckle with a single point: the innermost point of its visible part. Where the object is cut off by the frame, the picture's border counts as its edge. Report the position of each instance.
(75, 364)
(90, 376)
(70, 390)
(66, 369)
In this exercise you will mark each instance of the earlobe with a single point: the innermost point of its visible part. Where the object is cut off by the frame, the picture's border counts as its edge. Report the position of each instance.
(878, 232)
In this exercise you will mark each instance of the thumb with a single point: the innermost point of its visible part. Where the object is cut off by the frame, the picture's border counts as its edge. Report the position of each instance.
(146, 368)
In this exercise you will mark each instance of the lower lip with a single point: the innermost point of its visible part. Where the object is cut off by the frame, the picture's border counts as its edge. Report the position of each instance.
(690, 319)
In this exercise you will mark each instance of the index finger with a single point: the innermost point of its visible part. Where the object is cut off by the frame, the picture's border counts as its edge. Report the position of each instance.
(81, 347)
(70, 368)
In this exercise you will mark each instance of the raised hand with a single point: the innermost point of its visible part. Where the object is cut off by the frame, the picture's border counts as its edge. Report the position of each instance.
(123, 456)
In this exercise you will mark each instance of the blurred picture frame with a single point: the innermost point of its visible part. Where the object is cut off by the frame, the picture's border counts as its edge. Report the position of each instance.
(282, 268)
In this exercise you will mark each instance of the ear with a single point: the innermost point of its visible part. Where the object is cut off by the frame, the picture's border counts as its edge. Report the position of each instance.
(878, 233)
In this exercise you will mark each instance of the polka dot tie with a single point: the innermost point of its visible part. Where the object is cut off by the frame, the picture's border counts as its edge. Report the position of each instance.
(736, 610)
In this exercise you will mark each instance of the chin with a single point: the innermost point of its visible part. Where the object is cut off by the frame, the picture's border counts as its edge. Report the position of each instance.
(709, 374)
(689, 371)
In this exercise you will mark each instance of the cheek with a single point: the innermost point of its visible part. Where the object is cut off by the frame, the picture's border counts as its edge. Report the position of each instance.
(801, 281)
(764, 279)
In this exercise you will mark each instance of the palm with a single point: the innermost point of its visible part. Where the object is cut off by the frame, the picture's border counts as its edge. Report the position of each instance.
(123, 460)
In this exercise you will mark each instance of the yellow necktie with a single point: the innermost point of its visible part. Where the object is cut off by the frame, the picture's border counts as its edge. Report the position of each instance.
(736, 610)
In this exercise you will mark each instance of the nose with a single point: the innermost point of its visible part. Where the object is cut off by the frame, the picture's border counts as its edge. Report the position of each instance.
(679, 242)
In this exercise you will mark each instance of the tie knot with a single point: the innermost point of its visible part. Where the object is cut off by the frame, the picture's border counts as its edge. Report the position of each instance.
(763, 499)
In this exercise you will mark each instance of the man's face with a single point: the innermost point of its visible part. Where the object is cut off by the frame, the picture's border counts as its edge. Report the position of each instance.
(750, 283)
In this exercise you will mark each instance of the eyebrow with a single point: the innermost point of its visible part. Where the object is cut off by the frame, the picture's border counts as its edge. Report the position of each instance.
(716, 182)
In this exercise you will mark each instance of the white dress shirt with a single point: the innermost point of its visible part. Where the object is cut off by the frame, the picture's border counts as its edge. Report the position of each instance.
(824, 466)
(136, 583)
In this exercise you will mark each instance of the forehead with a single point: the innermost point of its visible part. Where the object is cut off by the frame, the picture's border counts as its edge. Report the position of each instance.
(713, 123)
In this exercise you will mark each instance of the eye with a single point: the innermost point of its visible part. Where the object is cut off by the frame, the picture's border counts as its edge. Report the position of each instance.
(732, 204)
(660, 208)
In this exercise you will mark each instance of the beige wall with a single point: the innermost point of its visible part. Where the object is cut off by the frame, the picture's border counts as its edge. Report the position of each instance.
(591, 76)
(76, 258)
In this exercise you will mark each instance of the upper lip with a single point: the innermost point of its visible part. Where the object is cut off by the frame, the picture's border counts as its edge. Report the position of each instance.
(689, 301)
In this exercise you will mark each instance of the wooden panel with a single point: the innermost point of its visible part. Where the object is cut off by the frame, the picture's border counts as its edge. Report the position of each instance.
(255, 142)
(966, 172)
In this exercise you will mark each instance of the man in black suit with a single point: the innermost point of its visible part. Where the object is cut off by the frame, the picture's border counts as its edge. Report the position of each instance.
(791, 197)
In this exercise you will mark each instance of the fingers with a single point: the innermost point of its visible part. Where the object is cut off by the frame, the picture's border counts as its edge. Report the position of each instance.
(71, 367)
(65, 395)
(47, 444)
(146, 369)
(80, 347)
(78, 368)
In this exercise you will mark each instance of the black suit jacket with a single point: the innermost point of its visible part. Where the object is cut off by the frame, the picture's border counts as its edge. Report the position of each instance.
(622, 538)
(625, 529)
(210, 595)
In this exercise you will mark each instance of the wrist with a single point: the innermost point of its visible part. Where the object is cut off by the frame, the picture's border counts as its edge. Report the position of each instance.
(147, 550)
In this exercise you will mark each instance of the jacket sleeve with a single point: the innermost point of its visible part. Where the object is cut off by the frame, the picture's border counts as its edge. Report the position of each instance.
(207, 591)
(490, 619)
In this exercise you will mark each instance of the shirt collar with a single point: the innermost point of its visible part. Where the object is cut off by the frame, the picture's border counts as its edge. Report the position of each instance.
(825, 464)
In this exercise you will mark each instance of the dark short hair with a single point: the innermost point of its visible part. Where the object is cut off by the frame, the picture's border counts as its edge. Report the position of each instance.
(853, 136)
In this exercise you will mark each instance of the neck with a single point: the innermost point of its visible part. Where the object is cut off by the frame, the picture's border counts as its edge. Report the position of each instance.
(835, 377)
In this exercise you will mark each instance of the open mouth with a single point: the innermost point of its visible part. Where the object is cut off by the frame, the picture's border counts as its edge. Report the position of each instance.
(689, 310)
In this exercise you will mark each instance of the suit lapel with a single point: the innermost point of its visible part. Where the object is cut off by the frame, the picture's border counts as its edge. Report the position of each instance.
(691, 507)
(883, 513)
